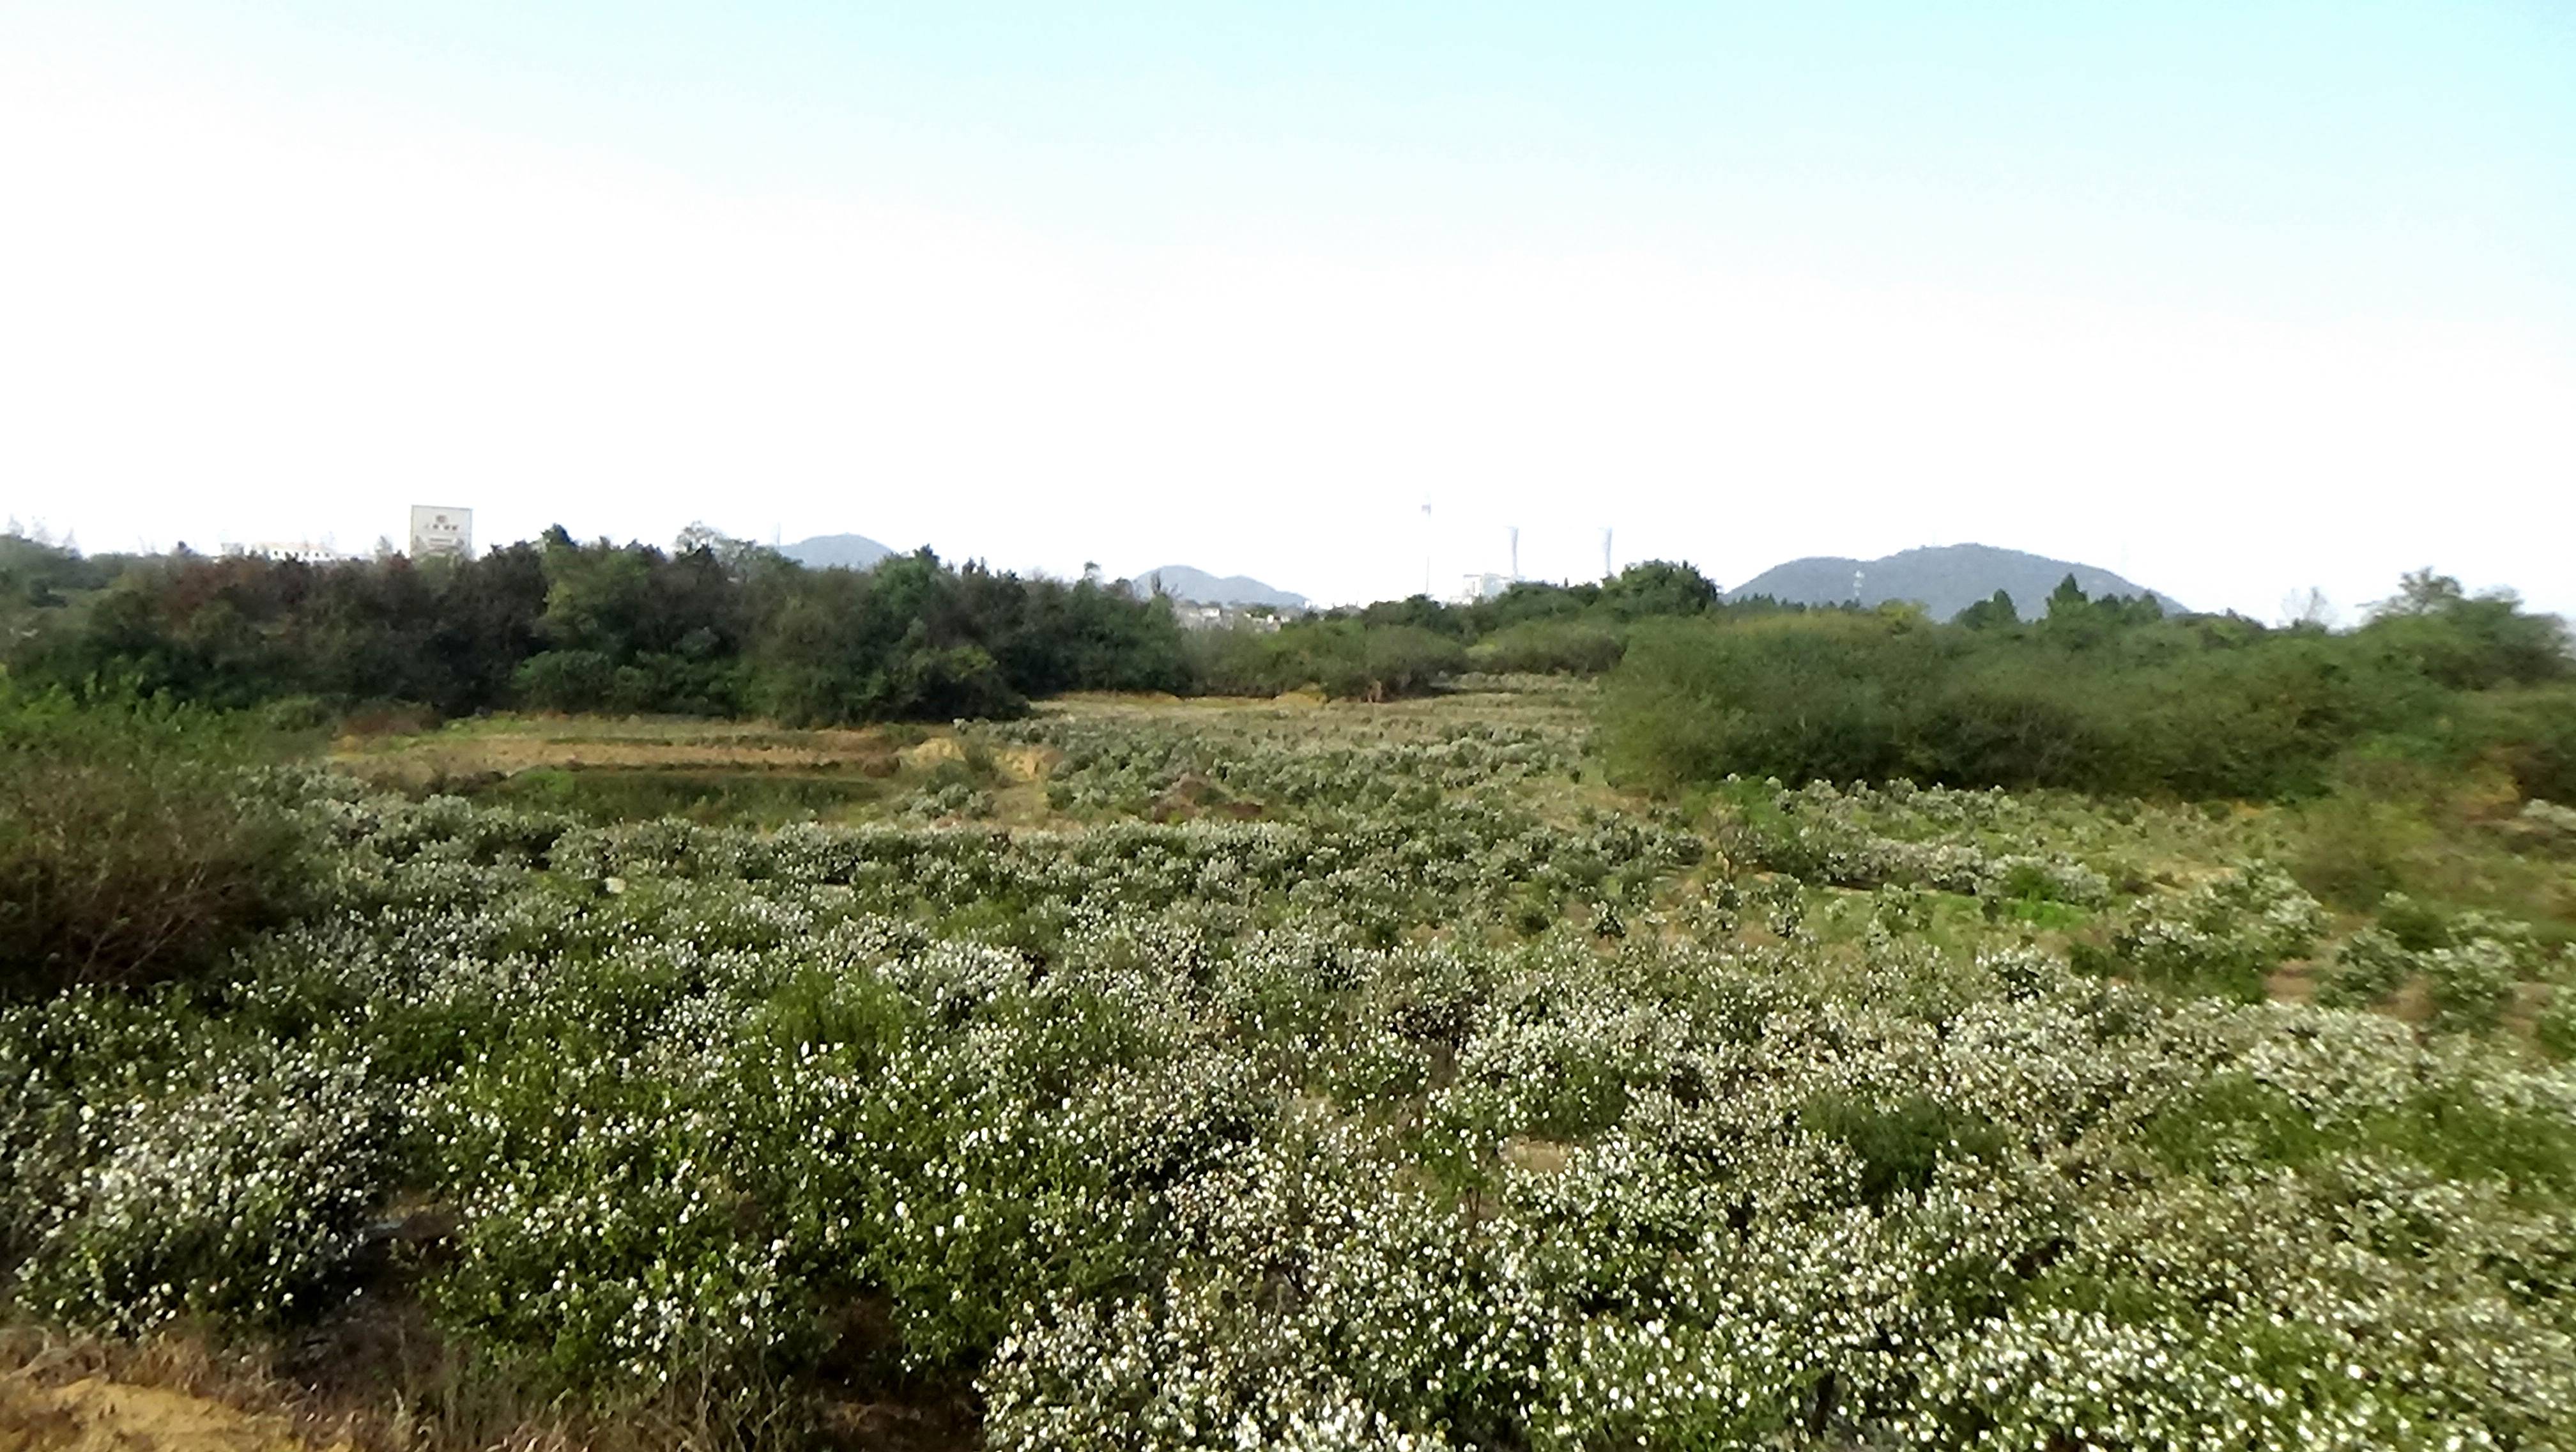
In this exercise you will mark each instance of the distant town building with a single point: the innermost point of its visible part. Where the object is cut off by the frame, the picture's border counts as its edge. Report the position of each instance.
(1473, 588)
(1260, 619)
(441, 529)
(308, 551)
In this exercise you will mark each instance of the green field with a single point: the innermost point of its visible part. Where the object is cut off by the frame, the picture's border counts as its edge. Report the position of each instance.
(1160, 1073)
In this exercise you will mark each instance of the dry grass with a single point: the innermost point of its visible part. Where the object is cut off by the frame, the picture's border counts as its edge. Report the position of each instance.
(168, 1394)
(507, 745)
(382, 1380)
(1516, 700)
(94, 1415)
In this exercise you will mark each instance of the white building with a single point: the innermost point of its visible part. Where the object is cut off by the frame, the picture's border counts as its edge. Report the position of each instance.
(441, 529)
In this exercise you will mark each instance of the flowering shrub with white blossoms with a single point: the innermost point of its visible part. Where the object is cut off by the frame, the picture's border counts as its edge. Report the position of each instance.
(2222, 935)
(2469, 965)
(1865, 836)
(235, 1183)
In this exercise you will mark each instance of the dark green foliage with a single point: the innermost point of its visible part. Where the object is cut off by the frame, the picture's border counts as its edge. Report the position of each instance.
(893, 644)
(2103, 695)
(718, 627)
(1531, 627)
(1994, 613)
(566, 680)
(2235, 1120)
(129, 849)
(1551, 647)
(2468, 642)
(2415, 926)
(2555, 1029)
(1346, 659)
(1658, 587)
(1419, 612)
(714, 627)
(1798, 697)
(2530, 732)
(1900, 1145)
(2369, 967)
(2232, 1119)
(38, 574)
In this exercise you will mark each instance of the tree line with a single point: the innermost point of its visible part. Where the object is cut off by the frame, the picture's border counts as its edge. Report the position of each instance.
(2105, 696)
(710, 627)
(721, 627)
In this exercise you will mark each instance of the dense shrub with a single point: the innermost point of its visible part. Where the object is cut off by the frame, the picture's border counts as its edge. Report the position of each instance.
(1801, 698)
(2531, 734)
(1400, 647)
(2466, 642)
(2555, 1029)
(714, 627)
(2099, 697)
(130, 845)
(2470, 984)
(1550, 647)
(2368, 967)
(566, 680)
(1345, 659)
(2220, 937)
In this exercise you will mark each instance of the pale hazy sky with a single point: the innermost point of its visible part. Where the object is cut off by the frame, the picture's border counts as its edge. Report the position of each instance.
(2234, 298)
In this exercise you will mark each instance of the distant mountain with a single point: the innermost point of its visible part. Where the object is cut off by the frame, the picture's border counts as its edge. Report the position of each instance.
(1946, 579)
(841, 551)
(1183, 583)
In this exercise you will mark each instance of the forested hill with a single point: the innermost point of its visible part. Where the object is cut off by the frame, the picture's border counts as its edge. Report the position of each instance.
(1946, 579)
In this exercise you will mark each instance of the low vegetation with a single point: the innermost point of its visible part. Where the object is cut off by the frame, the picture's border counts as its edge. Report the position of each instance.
(1193, 1074)
(2101, 696)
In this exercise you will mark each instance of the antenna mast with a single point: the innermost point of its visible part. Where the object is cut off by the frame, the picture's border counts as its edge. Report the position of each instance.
(1515, 533)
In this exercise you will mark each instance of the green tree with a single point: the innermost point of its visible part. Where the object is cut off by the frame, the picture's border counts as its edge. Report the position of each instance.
(1996, 612)
(1658, 587)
